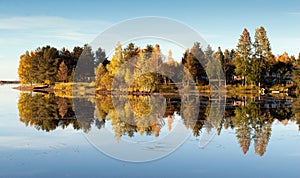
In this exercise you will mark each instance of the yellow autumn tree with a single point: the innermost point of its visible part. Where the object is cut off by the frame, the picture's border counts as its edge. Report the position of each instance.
(24, 69)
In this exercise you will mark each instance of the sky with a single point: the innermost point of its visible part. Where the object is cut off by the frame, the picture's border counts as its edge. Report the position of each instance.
(26, 25)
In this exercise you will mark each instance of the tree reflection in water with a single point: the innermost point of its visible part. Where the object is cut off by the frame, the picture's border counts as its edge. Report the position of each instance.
(251, 118)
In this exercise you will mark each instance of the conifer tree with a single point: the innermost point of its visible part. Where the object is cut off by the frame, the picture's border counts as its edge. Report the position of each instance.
(243, 55)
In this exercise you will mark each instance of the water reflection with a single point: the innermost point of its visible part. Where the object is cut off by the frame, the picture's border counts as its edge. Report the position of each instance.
(250, 118)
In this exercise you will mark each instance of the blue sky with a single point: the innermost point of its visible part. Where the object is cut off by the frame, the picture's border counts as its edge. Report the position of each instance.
(25, 25)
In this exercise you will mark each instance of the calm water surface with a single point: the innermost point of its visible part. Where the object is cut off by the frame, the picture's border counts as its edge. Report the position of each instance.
(41, 136)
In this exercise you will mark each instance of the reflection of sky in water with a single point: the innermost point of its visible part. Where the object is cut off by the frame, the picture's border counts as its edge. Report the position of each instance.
(27, 152)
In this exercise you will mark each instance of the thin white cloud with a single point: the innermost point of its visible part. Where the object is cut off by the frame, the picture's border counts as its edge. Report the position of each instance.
(18, 34)
(67, 35)
(21, 23)
(49, 27)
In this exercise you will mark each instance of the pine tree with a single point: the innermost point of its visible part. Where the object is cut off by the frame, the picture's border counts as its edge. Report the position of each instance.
(262, 46)
(62, 74)
(220, 56)
(255, 70)
(193, 60)
(100, 57)
(130, 51)
(209, 53)
(228, 66)
(263, 56)
(66, 56)
(45, 65)
(243, 55)
(85, 66)
(219, 65)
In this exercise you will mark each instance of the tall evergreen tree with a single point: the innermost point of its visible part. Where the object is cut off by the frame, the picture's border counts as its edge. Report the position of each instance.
(130, 51)
(85, 66)
(255, 70)
(228, 66)
(66, 56)
(193, 60)
(47, 64)
(209, 53)
(100, 57)
(75, 54)
(220, 56)
(263, 56)
(243, 55)
(262, 46)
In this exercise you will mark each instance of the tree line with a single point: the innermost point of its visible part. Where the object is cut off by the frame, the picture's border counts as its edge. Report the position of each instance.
(48, 65)
(250, 63)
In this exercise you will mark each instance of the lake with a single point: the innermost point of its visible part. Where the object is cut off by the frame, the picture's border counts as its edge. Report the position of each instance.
(44, 135)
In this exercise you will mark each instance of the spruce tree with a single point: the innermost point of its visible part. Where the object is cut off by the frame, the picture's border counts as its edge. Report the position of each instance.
(262, 55)
(243, 55)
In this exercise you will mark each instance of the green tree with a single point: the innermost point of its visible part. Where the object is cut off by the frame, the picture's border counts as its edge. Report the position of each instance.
(262, 46)
(255, 70)
(220, 65)
(100, 57)
(70, 62)
(75, 55)
(214, 72)
(220, 56)
(263, 57)
(243, 55)
(209, 53)
(85, 69)
(228, 66)
(45, 64)
(191, 62)
(130, 51)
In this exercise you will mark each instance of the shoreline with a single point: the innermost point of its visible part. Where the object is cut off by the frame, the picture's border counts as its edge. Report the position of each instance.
(4, 82)
(230, 90)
